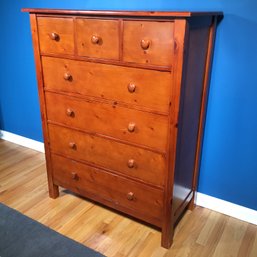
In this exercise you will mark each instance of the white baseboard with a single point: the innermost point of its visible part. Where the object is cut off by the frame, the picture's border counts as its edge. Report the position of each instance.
(203, 200)
(228, 208)
(23, 141)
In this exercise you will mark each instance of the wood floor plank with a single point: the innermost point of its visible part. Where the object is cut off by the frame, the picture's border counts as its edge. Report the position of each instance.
(184, 240)
(206, 248)
(247, 242)
(208, 228)
(253, 249)
(200, 233)
(231, 239)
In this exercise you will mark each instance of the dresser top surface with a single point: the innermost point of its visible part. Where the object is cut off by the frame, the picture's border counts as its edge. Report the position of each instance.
(163, 14)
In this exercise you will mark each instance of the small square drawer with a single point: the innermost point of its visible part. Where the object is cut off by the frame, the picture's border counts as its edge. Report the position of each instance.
(56, 35)
(148, 42)
(98, 38)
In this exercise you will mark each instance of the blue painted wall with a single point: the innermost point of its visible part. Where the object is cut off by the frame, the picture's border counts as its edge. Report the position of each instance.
(229, 161)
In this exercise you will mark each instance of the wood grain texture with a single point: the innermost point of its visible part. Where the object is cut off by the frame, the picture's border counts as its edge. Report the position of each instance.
(111, 120)
(148, 42)
(98, 38)
(63, 28)
(134, 124)
(53, 189)
(148, 14)
(148, 166)
(152, 88)
(200, 233)
(180, 38)
(110, 61)
(107, 187)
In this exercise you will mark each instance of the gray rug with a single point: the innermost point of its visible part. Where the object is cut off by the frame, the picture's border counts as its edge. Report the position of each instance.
(21, 236)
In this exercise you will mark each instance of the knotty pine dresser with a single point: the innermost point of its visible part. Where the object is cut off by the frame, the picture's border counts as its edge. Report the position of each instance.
(123, 100)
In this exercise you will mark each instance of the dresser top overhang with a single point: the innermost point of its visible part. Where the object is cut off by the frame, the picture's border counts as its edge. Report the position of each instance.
(142, 14)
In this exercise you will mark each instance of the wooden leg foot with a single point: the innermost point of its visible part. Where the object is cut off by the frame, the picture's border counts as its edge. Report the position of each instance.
(167, 238)
(191, 204)
(166, 244)
(53, 191)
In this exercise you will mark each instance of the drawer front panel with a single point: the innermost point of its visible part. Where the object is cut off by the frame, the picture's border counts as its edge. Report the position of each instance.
(98, 38)
(138, 87)
(56, 35)
(111, 120)
(132, 161)
(80, 178)
(148, 42)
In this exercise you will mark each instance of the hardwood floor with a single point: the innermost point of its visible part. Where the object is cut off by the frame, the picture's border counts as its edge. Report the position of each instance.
(201, 233)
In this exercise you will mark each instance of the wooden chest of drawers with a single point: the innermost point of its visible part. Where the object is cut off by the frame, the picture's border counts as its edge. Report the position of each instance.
(123, 97)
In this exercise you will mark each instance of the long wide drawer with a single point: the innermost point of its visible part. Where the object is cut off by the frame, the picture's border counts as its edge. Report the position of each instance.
(139, 87)
(111, 120)
(140, 200)
(129, 160)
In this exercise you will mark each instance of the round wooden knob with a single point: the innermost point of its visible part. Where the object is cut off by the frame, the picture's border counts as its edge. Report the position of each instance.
(145, 43)
(130, 196)
(131, 87)
(54, 36)
(95, 39)
(74, 176)
(131, 127)
(70, 112)
(131, 163)
(67, 76)
(72, 145)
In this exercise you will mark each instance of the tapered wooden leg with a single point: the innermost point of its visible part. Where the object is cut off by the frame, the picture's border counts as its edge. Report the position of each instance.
(167, 227)
(53, 190)
(167, 236)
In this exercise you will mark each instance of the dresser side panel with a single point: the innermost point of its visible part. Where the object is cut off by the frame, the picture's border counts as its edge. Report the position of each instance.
(189, 116)
(206, 85)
